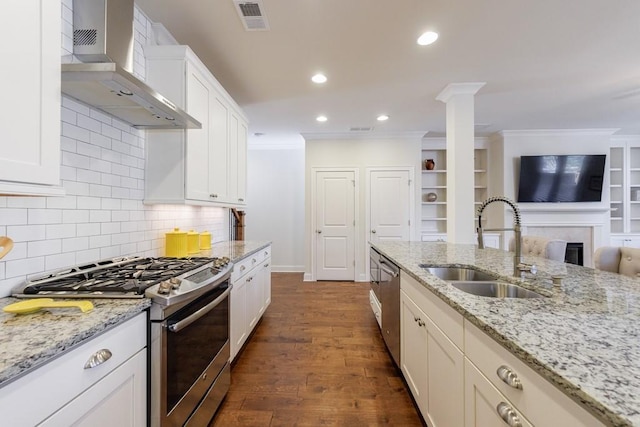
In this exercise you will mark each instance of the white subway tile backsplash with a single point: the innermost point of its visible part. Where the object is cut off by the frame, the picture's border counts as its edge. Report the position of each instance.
(99, 241)
(75, 188)
(59, 261)
(75, 244)
(75, 132)
(74, 216)
(60, 231)
(89, 176)
(26, 233)
(88, 229)
(26, 202)
(44, 247)
(84, 257)
(68, 116)
(111, 130)
(89, 202)
(100, 190)
(44, 216)
(98, 218)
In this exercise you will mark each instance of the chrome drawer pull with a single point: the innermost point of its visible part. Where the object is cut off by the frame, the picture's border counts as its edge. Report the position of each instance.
(98, 358)
(508, 415)
(509, 377)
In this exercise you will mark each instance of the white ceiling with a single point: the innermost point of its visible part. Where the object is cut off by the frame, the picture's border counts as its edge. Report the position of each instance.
(547, 64)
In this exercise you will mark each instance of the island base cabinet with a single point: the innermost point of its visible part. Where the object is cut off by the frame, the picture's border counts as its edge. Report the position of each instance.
(433, 367)
(485, 406)
(64, 392)
(116, 400)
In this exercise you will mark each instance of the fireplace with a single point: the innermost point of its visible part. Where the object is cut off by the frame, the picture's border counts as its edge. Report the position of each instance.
(574, 253)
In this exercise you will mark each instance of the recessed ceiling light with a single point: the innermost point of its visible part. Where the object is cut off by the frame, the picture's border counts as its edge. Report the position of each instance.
(319, 78)
(427, 38)
(321, 118)
(383, 117)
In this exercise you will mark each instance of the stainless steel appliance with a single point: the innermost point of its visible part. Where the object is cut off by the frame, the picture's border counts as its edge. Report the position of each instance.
(387, 287)
(189, 350)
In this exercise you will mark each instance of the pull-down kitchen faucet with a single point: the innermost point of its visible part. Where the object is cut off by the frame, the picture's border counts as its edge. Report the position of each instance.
(518, 266)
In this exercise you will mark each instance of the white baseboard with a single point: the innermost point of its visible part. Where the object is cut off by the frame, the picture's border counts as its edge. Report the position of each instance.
(308, 277)
(287, 268)
(363, 278)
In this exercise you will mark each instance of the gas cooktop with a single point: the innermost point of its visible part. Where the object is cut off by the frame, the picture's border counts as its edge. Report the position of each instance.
(127, 277)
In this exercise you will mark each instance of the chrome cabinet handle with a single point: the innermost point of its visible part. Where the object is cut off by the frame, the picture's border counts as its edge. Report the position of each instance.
(98, 358)
(373, 231)
(266, 265)
(213, 195)
(509, 377)
(419, 320)
(241, 200)
(243, 268)
(508, 415)
(319, 231)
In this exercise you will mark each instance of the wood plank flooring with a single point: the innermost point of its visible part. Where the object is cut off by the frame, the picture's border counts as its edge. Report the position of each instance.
(316, 358)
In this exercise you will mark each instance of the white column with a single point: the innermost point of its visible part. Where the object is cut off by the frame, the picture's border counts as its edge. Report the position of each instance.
(459, 98)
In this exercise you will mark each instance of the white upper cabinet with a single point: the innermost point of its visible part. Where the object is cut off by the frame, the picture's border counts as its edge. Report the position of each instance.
(30, 113)
(204, 166)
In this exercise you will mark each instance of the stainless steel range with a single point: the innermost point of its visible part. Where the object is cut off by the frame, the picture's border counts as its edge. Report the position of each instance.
(189, 350)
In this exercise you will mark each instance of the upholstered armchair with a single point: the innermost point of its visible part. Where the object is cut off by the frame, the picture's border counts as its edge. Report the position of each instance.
(541, 247)
(618, 260)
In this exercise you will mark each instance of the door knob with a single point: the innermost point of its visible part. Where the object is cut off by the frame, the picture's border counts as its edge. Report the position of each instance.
(319, 231)
(373, 231)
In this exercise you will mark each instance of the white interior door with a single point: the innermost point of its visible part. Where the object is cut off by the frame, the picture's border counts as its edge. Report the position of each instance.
(389, 205)
(335, 225)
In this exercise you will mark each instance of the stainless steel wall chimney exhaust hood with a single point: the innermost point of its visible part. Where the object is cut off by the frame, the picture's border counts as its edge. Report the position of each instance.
(103, 39)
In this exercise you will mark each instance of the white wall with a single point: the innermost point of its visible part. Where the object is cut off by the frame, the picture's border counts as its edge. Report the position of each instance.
(359, 154)
(102, 215)
(275, 207)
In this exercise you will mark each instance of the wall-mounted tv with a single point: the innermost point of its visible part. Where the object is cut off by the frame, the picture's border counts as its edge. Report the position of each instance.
(561, 178)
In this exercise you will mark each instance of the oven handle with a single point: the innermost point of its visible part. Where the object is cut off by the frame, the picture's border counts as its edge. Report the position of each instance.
(178, 326)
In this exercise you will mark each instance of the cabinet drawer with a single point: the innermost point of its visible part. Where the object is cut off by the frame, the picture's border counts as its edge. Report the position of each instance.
(245, 265)
(443, 316)
(541, 402)
(375, 307)
(32, 398)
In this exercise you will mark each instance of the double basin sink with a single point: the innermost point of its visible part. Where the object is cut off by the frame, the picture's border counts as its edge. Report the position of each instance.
(479, 283)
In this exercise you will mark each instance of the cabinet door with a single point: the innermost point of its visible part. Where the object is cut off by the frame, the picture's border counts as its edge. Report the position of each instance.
(413, 352)
(119, 399)
(266, 282)
(485, 406)
(31, 121)
(238, 316)
(445, 379)
(254, 298)
(242, 162)
(199, 95)
(218, 155)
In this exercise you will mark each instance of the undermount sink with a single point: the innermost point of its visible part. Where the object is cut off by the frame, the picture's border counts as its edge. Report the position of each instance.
(465, 274)
(479, 283)
(494, 289)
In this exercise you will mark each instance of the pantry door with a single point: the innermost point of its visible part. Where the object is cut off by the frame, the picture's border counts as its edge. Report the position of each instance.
(335, 225)
(390, 204)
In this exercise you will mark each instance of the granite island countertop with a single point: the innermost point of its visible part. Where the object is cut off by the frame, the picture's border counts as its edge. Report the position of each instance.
(29, 341)
(584, 337)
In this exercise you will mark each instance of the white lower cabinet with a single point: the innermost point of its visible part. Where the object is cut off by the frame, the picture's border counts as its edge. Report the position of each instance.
(459, 376)
(64, 392)
(485, 405)
(250, 296)
(431, 362)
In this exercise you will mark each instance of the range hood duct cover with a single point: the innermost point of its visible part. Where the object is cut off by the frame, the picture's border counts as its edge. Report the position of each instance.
(103, 40)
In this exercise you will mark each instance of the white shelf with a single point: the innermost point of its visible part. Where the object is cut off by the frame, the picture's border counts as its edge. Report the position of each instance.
(615, 186)
(434, 203)
(434, 171)
(615, 169)
(434, 186)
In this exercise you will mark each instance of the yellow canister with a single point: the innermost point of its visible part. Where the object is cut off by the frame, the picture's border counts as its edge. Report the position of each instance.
(176, 243)
(193, 242)
(205, 240)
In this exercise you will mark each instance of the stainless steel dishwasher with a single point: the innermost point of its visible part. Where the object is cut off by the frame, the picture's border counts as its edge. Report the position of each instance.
(390, 301)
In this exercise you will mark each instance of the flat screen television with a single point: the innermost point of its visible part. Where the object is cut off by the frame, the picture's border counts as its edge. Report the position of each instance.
(561, 178)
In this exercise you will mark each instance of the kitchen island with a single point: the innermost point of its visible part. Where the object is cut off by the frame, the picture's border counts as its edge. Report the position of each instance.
(583, 337)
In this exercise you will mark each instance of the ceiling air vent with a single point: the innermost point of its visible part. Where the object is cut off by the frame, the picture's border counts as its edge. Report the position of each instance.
(252, 15)
(361, 129)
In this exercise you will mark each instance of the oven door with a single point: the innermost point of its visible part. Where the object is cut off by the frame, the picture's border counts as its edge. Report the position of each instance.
(191, 358)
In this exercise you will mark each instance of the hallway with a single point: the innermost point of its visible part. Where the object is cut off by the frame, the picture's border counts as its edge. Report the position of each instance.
(317, 358)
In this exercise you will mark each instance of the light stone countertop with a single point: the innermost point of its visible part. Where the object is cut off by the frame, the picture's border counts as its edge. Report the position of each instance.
(584, 337)
(28, 341)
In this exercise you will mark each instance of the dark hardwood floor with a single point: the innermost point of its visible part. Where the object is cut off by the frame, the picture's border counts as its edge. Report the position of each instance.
(316, 358)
